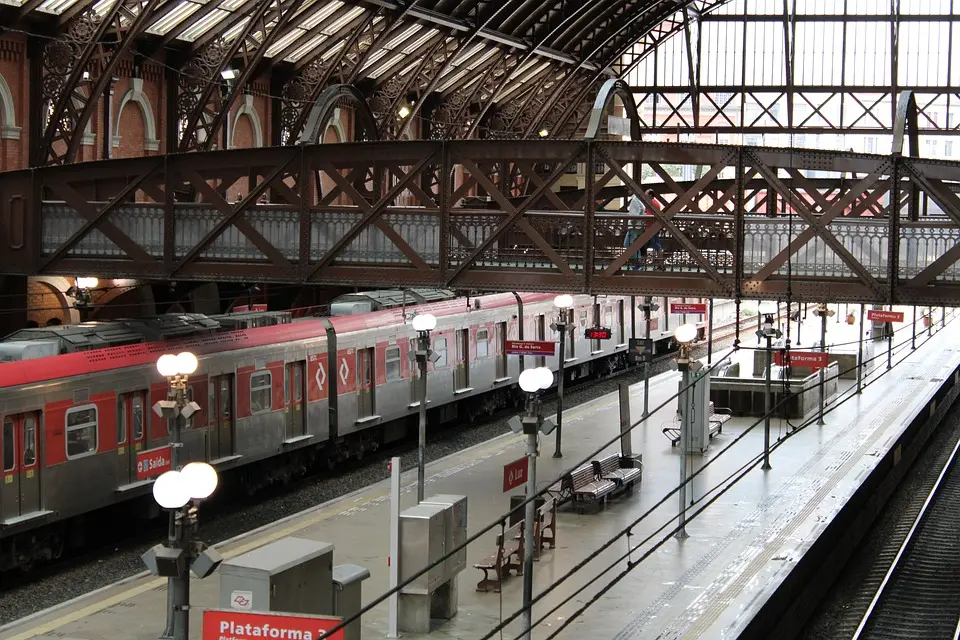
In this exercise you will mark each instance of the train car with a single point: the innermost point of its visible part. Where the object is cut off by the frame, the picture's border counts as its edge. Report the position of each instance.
(277, 396)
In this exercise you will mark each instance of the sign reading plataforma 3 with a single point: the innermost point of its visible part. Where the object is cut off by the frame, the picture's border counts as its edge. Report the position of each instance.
(221, 624)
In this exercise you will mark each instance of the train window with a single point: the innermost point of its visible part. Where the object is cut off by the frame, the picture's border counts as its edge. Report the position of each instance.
(121, 420)
(482, 343)
(81, 431)
(261, 395)
(138, 418)
(393, 363)
(583, 319)
(29, 441)
(9, 446)
(440, 348)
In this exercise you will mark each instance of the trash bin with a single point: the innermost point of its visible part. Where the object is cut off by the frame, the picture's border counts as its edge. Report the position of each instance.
(517, 513)
(347, 579)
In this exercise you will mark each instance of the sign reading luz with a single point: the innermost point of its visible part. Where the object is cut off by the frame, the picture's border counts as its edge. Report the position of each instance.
(514, 474)
(236, 625)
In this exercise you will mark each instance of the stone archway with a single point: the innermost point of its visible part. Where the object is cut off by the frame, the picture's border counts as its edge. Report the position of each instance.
(47, 301)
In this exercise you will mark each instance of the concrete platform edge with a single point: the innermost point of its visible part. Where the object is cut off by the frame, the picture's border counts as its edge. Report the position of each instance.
(787, 610)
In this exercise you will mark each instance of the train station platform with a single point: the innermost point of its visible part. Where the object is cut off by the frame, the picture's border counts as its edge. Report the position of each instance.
(712, 584)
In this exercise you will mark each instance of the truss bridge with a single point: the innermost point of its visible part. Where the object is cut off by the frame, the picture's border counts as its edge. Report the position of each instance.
(506, 215)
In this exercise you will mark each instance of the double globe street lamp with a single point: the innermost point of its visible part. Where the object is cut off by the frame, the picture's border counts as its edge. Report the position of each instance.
(684, 335)
(563, 303)
(423, 324)
(532, 382)
(174, 490)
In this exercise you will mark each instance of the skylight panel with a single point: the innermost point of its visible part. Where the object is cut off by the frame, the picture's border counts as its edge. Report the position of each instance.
(320, 15)
(57, 6)
(203, 25)
(173, 18)
(306, 47)
(420, 41)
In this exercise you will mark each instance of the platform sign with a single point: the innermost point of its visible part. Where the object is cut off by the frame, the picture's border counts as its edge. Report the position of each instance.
(878, 315)
(598, 333)
(153, 462)
(812, 359)
(514, 474)
(529, 348)
(220, 624)
(699, 308)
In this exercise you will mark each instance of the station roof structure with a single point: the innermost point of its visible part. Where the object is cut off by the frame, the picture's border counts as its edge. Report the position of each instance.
(515, 68)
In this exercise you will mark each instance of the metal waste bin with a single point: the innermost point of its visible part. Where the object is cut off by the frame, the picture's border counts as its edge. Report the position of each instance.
(347, 601)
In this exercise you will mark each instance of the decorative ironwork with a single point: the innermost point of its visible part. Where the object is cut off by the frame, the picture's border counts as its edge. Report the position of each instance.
(720, 221)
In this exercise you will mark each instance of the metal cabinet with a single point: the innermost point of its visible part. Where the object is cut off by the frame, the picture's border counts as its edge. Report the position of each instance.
(294, 575)
(455, 526)
(422, 543)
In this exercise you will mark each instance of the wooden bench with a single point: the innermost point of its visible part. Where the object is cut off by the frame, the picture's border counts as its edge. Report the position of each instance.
(509, 556)
(610, 468)
(718, 417)
(586, 488)
(546, 526)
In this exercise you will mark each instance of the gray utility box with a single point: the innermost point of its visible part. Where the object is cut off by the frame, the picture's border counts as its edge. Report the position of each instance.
(696, 401)
(294, 575)
(348, 597)
(422, 542)
(455, 526)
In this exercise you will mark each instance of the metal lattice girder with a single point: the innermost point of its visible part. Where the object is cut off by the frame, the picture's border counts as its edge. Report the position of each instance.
(201, 105)
(79, 65)
(490, 215)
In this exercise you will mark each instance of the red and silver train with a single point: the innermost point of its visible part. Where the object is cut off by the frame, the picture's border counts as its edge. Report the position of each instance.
(274, 399)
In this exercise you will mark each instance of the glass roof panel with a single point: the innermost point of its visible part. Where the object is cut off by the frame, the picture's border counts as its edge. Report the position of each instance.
(57, 6)
(420, 41)
(231, 34)
(397, 40)
(342, 22)
(306, 47)
(172, 18)
(203, 25)
(325, 12)
(386, 66)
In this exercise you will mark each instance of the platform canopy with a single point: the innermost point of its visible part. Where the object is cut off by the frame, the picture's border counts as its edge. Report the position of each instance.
(470, 68)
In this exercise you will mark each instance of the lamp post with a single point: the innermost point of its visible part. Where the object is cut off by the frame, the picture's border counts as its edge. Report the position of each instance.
(769, 332)
(173, 490)
(685, 334)
(648, 306)
(532, 382)
(80, 292)
(824, 313)
(563, 303)
(423, 324)
(184, 553)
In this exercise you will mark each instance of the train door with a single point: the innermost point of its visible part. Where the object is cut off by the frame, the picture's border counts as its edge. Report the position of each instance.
(21, 468)
(366, 402)
(221, 409)
(293, 393)
(620, 324)
(500, 335)
(461, 374)
(541, 336)
(131, 434)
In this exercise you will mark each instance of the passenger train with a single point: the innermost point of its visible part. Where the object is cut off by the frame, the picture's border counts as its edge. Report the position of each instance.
(275, 399)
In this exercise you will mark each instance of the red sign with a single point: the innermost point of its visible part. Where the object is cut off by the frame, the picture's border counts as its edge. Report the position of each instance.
(598, 333)
(514, 474)
(878, 315)
(245, 625)
(243, 308)
(688, 307)
(529, 348)
(812, 359)
(153, 462)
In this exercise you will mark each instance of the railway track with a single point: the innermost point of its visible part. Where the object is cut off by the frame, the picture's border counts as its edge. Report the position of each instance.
(919, 595)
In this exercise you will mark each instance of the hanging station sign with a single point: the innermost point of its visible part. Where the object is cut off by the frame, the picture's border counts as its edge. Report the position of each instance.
(529, 348)
(688, 307)
(879, 315)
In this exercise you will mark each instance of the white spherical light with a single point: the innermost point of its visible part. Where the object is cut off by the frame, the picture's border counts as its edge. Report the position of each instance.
(685, 333)
(544, 376)
(563, 301)
(168, 365)
(186, 362)
(424, 322)
(200, 479)
(529, 380)
(87, 283)
(170, 491)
